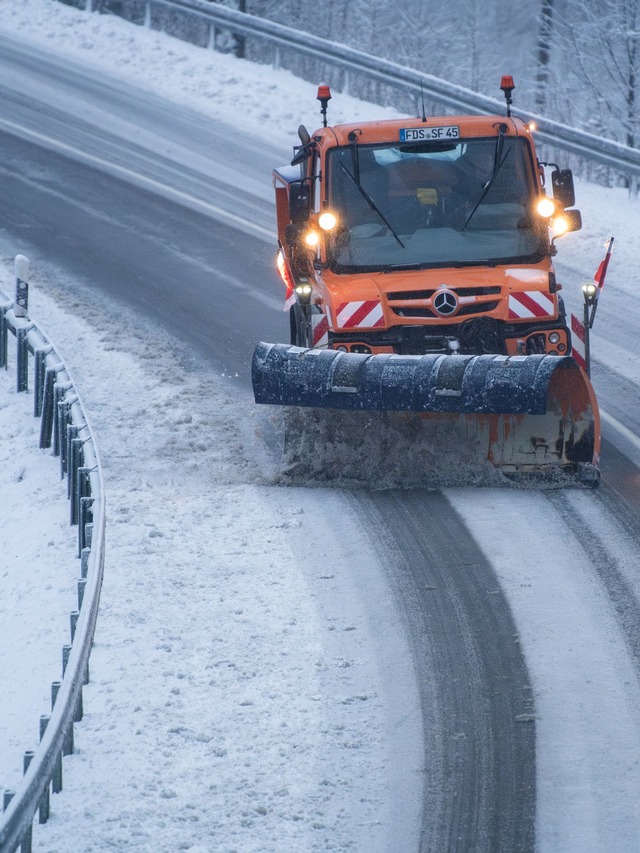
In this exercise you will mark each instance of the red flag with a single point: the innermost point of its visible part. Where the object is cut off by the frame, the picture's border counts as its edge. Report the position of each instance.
(601, 272)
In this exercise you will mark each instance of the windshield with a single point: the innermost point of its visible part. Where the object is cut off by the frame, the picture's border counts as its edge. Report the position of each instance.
(433, 204)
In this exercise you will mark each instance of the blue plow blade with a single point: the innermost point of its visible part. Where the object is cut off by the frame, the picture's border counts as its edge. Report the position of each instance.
(473, 384)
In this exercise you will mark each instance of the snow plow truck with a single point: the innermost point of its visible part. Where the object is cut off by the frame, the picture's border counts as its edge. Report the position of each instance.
(417, 255)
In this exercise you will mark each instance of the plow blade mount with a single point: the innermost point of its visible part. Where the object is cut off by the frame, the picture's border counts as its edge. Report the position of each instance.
(521, 413)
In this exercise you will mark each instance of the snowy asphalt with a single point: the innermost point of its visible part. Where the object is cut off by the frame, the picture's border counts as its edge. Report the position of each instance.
(474, 609)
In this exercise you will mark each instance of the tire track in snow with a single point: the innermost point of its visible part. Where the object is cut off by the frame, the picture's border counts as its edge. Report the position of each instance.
(585, 679)
(615, 571)
(476, 702)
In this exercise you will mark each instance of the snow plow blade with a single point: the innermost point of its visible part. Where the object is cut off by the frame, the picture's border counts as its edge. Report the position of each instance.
(533, 414)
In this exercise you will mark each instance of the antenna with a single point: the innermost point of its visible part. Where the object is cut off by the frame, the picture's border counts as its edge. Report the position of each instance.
(424, 114)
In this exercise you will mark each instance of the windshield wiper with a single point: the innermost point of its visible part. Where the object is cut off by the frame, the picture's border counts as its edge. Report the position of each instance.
(497, 165)
(420, 265)
(365, 195)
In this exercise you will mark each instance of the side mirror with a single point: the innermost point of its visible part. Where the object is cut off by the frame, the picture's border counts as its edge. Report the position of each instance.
(570, 220)
(574, 219)
(563, 190)
(303, 151)
(299, 201)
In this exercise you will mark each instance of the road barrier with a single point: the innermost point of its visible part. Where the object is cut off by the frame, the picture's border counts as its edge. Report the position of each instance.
(65, 429)
(212, 16)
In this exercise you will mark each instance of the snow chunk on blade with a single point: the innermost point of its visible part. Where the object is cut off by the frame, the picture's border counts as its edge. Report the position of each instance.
(533, 418)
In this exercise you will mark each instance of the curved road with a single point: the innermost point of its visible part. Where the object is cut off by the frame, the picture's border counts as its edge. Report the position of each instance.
(190, 249)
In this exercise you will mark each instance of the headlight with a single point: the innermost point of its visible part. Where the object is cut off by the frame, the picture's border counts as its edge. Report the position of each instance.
(312, 238)
(545, 207)
(327, 220)
(560, 225)
(554, 337)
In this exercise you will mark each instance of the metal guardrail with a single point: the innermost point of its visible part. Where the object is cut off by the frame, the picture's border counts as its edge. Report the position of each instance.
(65, 428)
(605, 151)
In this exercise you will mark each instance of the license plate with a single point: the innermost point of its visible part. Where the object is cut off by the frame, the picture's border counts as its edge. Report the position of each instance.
(420, 134)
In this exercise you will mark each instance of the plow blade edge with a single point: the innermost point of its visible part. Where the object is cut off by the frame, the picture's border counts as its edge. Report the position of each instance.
(524, 413)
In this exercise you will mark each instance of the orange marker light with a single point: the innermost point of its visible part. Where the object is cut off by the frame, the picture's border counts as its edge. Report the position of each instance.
(507, 84)
(324, 96)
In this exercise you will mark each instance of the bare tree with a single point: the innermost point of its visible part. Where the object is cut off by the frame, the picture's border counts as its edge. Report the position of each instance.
(543, 54)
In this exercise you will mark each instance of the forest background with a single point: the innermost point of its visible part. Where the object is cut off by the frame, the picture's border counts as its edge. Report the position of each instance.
(573, 61)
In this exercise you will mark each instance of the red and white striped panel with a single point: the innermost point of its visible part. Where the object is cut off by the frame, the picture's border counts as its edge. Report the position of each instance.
(360, 315)
(530, 303)
(320, 326)
(578, 335)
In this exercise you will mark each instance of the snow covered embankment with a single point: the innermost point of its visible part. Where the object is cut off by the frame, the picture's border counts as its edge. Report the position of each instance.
(32, 621)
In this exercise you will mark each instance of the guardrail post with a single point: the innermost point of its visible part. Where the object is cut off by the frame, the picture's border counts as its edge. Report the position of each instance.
(147, 15)
(61, 409)
(74, 478)
(3, 336)
(56, 776)
(23, 360)
(84, 558)
(73, 621)
(72, 460)
(68, 458)
(25, 844)
(67, 743)
(39, 356)
(82, 583)
(86, 503)
(47, 408)
(44, 807)
(21, 266)
(7, 796)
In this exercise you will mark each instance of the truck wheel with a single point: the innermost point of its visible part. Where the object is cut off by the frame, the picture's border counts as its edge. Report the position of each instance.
(300, 326)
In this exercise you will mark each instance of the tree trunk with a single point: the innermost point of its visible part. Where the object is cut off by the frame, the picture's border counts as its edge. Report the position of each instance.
(543, 54)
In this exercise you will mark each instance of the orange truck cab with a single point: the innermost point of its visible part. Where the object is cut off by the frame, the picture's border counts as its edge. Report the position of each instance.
(424, 235)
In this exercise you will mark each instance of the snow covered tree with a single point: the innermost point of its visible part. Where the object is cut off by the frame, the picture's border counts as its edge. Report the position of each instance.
(543, 54)
(600, 42)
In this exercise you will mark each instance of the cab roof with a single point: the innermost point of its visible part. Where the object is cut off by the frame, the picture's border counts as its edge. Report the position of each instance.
(388, 130)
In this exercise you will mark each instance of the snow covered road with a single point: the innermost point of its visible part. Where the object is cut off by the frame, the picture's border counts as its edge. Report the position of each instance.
(290, 669)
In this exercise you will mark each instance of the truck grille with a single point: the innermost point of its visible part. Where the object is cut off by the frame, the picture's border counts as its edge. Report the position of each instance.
(408, 295)
(478, 308)
(463, 310)
(411, 311)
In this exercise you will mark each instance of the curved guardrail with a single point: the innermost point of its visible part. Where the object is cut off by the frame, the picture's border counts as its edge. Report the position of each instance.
(65, 428)
(605, 151)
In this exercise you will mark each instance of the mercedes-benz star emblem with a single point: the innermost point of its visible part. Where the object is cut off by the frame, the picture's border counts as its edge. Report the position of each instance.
(445, 302)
